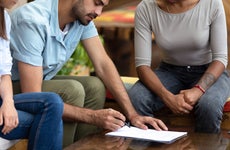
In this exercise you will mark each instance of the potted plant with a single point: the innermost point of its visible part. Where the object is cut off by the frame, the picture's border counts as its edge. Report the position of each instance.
(79, 63)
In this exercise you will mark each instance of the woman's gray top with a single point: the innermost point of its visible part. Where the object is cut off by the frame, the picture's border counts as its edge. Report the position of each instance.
(195, 37)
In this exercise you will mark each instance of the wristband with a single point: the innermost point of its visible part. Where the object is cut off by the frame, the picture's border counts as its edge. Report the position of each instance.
(200, 88)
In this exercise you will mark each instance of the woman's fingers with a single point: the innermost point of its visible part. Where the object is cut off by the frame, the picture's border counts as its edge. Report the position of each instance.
(9, 124)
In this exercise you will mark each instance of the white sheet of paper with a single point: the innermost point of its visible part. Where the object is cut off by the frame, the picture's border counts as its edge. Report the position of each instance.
(150, 134)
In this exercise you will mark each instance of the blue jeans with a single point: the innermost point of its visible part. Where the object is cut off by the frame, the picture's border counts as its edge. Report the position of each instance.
(40, 120)
(209, 109)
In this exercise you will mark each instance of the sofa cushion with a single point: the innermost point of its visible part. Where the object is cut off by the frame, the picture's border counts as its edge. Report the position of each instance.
(227, 105)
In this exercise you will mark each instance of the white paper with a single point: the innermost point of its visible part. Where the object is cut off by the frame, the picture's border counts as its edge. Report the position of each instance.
(150, 134)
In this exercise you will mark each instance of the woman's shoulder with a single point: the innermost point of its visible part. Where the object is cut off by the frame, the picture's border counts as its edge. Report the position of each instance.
(211, 3)
(7, 17)
(7, 22)
(148, 2)
(147, 5)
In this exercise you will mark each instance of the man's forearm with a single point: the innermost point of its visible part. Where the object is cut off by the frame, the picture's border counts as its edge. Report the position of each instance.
(77, 114)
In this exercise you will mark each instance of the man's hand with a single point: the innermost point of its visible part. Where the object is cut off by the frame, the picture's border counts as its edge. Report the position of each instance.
(142, 121)
(108, 119)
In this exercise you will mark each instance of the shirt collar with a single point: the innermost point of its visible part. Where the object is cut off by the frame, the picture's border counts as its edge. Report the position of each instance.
(54, 22)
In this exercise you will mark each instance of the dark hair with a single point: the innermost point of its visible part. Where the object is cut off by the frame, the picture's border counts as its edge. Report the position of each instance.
(2, 24)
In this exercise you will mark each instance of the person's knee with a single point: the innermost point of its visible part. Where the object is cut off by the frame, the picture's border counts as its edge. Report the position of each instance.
(208, 115)
(135, 95)
(132, 95)
(54, 102)
(209, 108)
(137, 91)
(96, 85)
(73, 93)
(95, 90)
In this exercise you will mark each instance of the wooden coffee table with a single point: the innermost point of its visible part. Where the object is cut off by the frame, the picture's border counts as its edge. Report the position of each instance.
(193, 141)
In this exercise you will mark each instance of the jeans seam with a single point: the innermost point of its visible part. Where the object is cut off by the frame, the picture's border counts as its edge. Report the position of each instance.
(40, 123)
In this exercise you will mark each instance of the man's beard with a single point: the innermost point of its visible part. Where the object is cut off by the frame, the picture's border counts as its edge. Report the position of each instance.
(84, 21)
(79, 15)
(171, 1)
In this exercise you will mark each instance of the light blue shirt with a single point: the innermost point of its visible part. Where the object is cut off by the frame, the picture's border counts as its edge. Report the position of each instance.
(36, 38)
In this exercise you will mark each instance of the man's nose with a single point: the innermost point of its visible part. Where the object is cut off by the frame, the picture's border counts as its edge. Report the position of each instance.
(98, 10)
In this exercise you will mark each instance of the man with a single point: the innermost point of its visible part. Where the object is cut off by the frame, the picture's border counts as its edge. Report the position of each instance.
(44, 35)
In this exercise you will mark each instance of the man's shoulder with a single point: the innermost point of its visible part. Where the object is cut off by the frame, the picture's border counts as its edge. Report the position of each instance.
(30, 13)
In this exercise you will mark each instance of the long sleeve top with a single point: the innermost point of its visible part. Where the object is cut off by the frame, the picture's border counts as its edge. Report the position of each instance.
(194, 37)
(5, 55)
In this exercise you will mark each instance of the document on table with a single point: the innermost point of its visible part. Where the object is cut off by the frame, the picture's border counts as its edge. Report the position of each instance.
(150, 134)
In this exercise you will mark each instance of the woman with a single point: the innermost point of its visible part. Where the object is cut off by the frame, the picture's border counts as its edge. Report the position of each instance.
(192, 37)
(36, 116)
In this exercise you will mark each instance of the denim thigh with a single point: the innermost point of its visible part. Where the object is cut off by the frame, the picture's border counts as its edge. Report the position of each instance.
(23, 128)
(147, 102)
(30, 105)
(209, 109)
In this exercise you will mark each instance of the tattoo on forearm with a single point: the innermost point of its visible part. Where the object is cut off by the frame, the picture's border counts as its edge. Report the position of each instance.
(207, 80)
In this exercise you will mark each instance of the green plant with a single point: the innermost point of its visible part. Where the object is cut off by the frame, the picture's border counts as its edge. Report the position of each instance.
(78, 58)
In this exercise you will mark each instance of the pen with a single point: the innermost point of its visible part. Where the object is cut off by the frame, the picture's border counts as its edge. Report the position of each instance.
(127, 124)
